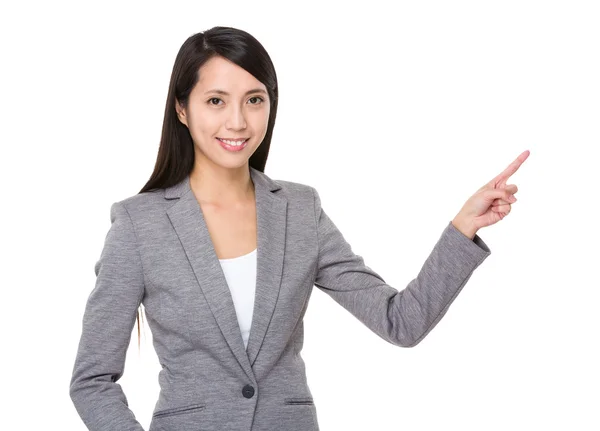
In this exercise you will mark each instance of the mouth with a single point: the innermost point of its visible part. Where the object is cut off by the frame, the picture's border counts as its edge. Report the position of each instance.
(236, 141)
(233, 144)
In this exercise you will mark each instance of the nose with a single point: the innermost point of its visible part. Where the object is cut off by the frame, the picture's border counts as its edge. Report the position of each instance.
(236, 120)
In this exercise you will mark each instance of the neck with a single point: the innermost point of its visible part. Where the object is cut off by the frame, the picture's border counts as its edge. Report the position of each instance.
(223, 187)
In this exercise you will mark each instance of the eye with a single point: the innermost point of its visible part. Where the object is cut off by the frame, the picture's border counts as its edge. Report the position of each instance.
(256, 97)
(211, 99)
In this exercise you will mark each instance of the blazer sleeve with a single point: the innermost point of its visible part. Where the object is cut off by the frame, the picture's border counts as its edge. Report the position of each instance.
(108, 322)
(404, 317)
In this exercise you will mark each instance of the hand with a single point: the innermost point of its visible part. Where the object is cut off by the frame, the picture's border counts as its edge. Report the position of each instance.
(491, 203)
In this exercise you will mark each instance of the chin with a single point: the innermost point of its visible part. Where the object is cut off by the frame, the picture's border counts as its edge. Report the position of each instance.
(232, 164)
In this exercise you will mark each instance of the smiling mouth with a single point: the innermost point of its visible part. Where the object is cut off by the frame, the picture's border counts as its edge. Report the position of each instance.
(233, 145)
(238, 140)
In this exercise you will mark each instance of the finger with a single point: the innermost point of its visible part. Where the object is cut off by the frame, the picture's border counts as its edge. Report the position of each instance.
(501, 179)
(498, 202)
(511, 188)
(504, 209)
(491, 195)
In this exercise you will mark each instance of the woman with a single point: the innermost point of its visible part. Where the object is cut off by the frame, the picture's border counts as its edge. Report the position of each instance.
(224, 259)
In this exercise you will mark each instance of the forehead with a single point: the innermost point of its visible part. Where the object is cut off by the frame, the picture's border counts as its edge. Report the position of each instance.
(220, 73)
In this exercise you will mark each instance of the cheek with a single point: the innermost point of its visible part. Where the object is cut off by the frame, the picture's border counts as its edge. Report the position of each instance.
(261, 119)
(205, 125)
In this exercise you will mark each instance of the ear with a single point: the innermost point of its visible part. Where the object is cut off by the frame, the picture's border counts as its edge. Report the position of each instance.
(181, 113)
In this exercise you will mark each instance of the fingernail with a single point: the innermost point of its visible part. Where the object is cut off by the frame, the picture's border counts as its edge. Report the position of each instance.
(513, 199)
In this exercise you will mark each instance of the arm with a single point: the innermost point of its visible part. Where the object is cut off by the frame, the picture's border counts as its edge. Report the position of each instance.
(404, 317)
(106, 331)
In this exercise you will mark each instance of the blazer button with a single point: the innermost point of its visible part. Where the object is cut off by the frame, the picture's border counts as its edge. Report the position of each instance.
(248, 391)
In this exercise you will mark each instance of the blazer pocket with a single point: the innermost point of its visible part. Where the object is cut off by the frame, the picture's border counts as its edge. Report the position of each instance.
(307, 401)
(178, 410)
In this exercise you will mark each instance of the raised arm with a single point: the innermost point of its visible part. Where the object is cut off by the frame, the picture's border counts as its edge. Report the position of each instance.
(106, 331)
(404, 317)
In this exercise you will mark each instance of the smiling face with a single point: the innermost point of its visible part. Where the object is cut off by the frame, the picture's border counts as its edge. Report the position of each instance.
(226, 103)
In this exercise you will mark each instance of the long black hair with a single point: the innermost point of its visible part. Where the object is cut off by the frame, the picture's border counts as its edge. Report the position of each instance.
(175, 158)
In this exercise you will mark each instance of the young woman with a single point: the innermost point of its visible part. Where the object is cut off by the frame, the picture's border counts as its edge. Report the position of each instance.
(224, 260)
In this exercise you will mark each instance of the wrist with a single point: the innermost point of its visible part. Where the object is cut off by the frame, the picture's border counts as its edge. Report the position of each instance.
(466, 229)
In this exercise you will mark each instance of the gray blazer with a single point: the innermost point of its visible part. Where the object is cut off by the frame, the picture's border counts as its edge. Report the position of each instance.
(158, 252)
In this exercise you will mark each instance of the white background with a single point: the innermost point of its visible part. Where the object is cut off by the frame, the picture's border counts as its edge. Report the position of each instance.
(397, 112)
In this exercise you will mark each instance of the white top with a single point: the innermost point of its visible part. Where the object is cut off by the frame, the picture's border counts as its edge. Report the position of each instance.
(240, 273)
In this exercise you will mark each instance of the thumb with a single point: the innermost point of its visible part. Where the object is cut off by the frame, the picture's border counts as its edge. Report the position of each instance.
(491, 195)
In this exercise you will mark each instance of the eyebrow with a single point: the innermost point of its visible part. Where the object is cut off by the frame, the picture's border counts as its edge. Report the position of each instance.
(218, 91)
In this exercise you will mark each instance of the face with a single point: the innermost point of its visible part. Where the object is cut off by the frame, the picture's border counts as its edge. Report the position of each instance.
(241, 112)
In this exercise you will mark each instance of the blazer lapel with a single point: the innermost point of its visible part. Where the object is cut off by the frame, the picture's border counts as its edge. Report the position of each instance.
(188, 221)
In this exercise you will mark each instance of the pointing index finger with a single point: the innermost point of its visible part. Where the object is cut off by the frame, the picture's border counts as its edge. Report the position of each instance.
(512, 168)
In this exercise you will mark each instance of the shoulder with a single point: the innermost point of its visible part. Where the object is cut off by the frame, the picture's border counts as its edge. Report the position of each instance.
(293, 188)
(147, 203)
(296, 192)
(305, 192)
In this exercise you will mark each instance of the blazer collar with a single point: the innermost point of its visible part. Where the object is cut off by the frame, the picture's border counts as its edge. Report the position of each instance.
(262, 184)
(271, 212)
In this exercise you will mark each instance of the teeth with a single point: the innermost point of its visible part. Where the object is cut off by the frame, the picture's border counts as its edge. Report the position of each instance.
(234, 143)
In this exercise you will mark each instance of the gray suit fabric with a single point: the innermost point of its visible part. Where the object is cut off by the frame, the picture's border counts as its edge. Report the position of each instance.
(158, 252)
